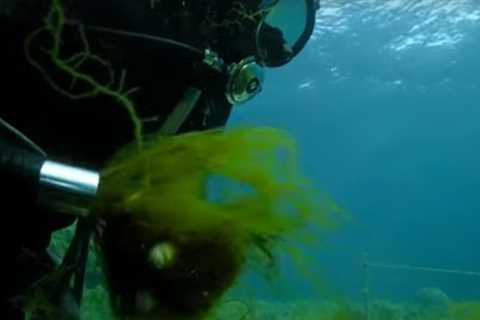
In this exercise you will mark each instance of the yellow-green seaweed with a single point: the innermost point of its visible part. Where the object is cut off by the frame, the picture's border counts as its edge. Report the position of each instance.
(160, 194)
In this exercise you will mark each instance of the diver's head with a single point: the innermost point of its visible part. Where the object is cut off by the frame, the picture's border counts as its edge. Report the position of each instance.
(235, 38)
(220, 46)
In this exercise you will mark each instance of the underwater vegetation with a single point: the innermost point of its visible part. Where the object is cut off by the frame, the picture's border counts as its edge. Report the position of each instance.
(198, 207)
(78, 83)
(96, 307)
(331, 310)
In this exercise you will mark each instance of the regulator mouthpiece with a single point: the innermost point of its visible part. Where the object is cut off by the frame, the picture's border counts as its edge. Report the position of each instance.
(245, 81)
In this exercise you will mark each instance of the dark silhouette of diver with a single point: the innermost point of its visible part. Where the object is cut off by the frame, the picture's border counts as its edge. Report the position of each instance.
(183, 63)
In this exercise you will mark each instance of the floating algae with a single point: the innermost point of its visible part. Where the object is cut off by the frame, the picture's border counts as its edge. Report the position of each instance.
(170, 250)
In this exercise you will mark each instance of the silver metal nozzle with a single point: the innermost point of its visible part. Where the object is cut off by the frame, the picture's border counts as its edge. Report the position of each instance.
(67, 189)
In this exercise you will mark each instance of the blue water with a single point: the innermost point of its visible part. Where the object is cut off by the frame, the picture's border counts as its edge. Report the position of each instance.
(385, 105)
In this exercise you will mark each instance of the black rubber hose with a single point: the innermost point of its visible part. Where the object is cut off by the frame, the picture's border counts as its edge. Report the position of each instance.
(19, 169)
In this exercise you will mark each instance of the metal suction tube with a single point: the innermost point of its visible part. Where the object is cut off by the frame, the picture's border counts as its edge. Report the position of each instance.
(67, 189)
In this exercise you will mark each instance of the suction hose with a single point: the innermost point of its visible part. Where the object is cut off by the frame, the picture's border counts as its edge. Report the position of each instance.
(57, 186)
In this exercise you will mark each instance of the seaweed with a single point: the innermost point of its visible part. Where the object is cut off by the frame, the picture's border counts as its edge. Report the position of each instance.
(159, 197)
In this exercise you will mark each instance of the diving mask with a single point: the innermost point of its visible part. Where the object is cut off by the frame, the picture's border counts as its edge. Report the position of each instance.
(293, 20)
(283, 31)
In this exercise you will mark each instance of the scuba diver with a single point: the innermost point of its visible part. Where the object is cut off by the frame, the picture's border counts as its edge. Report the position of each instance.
(66, 67)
